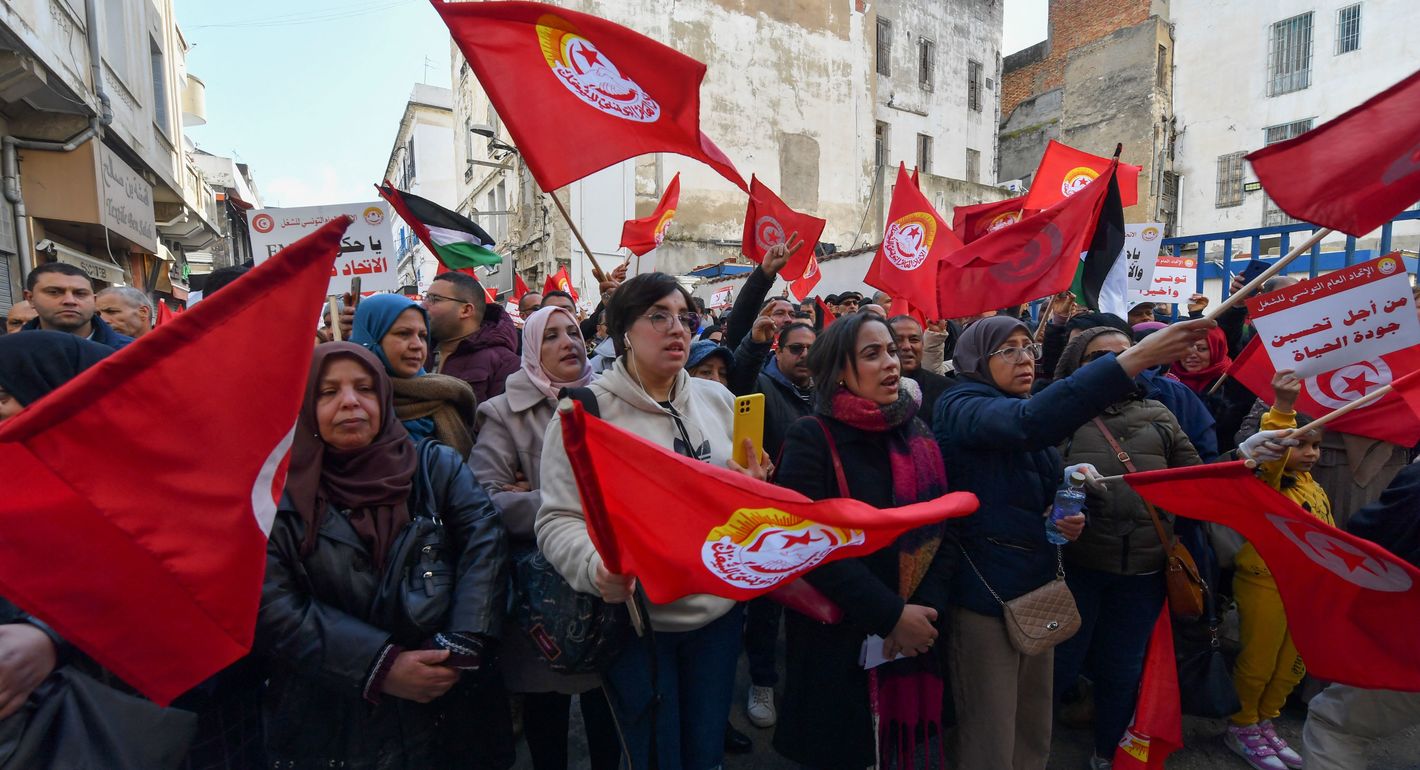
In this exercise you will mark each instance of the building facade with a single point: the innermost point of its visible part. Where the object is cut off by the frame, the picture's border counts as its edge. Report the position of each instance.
(97, 171)
(820, 100)
(1249, 75)
(1103, 76)
(419, 163)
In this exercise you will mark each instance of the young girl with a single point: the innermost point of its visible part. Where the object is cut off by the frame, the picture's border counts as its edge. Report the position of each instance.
(1268, 667)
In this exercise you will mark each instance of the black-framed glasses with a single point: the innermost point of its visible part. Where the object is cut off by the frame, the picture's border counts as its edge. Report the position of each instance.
(664, 322)
(798, 348)
(1013, 356)
(430, 296)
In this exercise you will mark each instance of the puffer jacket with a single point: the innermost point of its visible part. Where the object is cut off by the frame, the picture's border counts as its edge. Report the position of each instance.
(485, 358)
(315, 625)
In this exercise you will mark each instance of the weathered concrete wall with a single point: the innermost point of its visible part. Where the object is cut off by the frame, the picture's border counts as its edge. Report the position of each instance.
(1026, 131)
(1073, 23)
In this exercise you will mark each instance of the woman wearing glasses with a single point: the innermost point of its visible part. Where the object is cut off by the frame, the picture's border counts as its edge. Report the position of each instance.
(672, 689)
(1000, 443)
(1116, 565)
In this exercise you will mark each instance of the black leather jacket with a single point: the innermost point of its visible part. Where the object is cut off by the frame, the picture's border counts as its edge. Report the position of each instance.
(317, 625)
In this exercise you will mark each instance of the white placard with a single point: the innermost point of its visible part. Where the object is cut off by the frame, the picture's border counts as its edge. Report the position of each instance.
(1141, 255)
(1174, 280)
(368, 249)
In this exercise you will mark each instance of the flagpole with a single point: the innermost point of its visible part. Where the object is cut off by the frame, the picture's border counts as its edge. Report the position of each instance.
(1218, 384)
(596, 268)
(334, 305)
(1121, 477)
(1366, 400)
(1256, 283)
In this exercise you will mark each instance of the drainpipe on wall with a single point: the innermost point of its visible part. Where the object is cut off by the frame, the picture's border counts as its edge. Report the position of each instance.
(9, 156)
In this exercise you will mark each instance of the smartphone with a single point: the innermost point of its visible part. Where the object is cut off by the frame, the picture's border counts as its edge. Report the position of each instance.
(1255, 267)
(749, 424)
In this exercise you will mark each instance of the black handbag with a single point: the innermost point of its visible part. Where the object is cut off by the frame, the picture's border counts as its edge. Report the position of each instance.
(1205, 681)
(73, 722)
(416, 590)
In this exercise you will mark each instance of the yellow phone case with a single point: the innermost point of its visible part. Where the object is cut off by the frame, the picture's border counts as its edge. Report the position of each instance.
(749, 424)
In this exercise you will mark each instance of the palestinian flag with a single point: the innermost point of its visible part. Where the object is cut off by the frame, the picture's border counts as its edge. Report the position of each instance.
(1101, 280)
(455, 240)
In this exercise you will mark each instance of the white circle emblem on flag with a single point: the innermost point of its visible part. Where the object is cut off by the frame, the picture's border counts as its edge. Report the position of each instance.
(762, 547)
(1077, 179)
(1344, 560)
(811, 268)
(768, 233)
(1334, 390)
(270, 481)
(589, 74)
(908, 241)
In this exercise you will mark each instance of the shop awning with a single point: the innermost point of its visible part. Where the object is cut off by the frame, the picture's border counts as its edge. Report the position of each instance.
(96, 268)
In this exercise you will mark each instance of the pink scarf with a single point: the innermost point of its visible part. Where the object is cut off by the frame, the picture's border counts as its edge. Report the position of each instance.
(533, 330)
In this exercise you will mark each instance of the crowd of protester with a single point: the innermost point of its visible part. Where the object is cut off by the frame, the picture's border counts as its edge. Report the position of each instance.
(430, 436)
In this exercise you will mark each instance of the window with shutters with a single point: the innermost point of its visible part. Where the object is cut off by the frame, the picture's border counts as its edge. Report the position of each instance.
(973, 85)
(1230, 180)
(1271, 215)
(1289, 55)
(926, 64)
(924, 153)
(884, 53)
(1348, 29)
(880, 144)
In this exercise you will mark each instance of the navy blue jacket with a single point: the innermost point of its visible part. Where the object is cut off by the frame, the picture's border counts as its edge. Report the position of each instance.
(1393, 522)
(1003, 449)
(102, 333)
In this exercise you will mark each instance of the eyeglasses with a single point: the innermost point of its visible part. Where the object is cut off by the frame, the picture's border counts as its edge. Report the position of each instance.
(431, 297)
(1020, 355)
(798, 348)
(664, 322)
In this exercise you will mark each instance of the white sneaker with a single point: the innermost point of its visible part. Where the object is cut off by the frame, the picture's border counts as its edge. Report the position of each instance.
(760, 708)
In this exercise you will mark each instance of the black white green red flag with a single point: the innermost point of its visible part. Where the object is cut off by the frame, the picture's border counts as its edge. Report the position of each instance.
(454, 239)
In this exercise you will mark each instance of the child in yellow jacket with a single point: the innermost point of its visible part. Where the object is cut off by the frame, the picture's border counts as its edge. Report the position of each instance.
(1268, 666)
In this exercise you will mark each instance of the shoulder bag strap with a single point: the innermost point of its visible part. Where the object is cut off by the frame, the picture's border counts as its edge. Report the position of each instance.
(1124, 458)
(837, 463)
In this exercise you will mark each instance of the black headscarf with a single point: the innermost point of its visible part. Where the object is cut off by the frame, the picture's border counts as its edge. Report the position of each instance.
(33, 363)
(972, 357)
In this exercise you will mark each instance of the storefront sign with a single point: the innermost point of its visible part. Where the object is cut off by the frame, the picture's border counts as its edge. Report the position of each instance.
(127, 205)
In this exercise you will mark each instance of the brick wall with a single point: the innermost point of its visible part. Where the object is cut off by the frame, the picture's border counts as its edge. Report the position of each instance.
(1073, 23)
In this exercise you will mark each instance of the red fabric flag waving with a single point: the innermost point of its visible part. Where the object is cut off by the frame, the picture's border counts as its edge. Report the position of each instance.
(520, 287)
(644, 234)
(915, 241)
(769, 222)
(1065, 171)
(151, 559)
(972, 222)
(731, 536)
(1387, 419)
(828, 315)
(1036, 257)
(803, 286)
(1353, 608)
(1352, 173)
(579, 93)
(560, 281)
(1157, 728)
(165, 314)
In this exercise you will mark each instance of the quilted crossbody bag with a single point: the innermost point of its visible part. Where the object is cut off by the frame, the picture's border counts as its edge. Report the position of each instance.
(1041, 619)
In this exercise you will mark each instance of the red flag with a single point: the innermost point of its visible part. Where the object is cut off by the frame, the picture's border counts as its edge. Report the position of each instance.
(490, 294)
(828, 315)
(560, 281)
(731, 536)
(1352, 173)
(151, 559)
(900, 306)
(1157, 728)
(915, 241)
(579, 93)
(1036, 257)
(1387, 419)
(1353, 608)
(803, 286)
(972, 222)
(1064, 171)
(916, 180)
(520, 287)
(769, 222)
(165, 314)
(644, 234)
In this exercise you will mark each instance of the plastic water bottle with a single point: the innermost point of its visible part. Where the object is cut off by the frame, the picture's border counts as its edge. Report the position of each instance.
(1069, 501)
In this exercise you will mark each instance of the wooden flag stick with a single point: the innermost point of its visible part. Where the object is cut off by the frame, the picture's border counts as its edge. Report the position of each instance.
(596, 268)
(1120, 477)
(334, 305)
(1217, 384)
(1320, 422)
(1256, 283)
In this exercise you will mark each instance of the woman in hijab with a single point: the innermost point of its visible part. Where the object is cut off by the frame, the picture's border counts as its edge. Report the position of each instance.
(385, 584)
(1000, 442)
(866, 422)
(396, 329)
(507, 460)
(1200, 367)
(36, 362)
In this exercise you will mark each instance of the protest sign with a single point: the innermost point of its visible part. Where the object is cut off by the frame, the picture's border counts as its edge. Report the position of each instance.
(1355, 314)
(721, 297)
(367, 250)
(1141, 257)
(1173, 280)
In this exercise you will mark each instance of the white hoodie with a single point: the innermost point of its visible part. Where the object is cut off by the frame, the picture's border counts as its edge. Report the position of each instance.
(707, 410)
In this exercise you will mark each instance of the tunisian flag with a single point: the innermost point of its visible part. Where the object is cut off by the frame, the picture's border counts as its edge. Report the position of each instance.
(1036, 257)
(643, 235)
(731, 536)
(1386, 419)
(915, 242)
(769, 222)
(1065, 171)
(972, 222)
(1353, 608)
(1157, 728)
(151, 559)
(1352, 173)
(520, 287)
(579, 93)
(560, 281)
